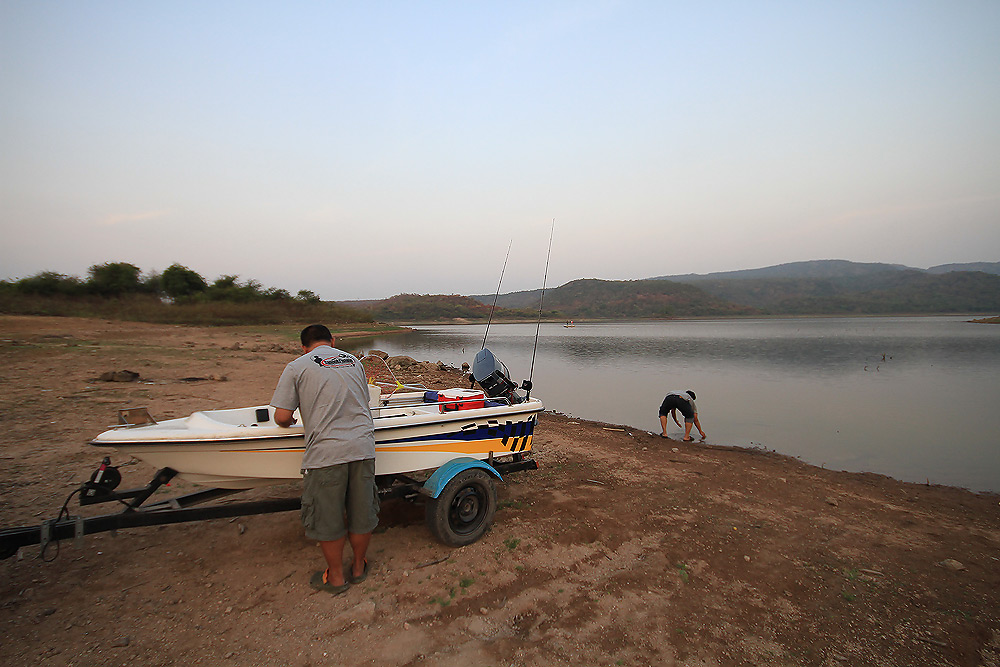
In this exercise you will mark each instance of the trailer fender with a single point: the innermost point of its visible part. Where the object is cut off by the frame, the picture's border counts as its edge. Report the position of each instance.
(437, 481)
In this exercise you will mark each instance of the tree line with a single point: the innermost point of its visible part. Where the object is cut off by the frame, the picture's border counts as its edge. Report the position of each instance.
(177, 282)
(178, 295)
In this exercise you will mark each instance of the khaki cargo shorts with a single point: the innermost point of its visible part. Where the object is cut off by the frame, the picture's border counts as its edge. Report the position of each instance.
(338, 499)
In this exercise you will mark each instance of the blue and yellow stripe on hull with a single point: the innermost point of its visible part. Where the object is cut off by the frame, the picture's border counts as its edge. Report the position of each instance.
(498, 438)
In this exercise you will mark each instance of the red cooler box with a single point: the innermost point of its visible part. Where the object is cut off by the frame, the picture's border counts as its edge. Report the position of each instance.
(461, 399)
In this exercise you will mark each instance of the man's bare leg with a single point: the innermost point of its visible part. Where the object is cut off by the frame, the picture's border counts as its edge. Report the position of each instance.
(333, 552)
(359, 543)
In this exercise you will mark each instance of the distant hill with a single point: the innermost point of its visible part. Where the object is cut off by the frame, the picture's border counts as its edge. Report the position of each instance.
(845, 274)
(889, 292)
(581, 299)
(985, 267)
(427, 308)
(826, 268)
(821, 287)
(588, 298)
(526, 299)
(617, 299)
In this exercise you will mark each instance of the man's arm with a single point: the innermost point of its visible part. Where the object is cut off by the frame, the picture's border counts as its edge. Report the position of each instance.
(286, 393)
(698, 426)
(283, 417)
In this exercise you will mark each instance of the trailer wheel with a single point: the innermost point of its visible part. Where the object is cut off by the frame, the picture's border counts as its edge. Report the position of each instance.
(465, 508)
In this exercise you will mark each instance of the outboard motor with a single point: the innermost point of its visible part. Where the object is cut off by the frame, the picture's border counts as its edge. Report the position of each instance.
(493, 376)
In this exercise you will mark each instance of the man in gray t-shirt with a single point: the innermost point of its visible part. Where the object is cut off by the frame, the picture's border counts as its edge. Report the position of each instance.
(329, 388)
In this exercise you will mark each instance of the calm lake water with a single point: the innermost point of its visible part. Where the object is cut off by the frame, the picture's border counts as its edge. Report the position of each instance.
(914, 398)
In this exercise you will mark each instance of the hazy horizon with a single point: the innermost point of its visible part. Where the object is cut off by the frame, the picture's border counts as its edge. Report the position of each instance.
(504, 291)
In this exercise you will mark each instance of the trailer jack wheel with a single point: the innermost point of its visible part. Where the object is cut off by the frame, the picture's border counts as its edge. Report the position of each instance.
(464, 510)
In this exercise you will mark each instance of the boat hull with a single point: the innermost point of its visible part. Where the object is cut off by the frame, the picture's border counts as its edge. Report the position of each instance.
(229, 449)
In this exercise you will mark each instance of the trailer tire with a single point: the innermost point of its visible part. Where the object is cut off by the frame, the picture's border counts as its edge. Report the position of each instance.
(464, 510)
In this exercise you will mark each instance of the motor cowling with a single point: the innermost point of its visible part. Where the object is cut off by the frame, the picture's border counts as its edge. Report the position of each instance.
(492, 375)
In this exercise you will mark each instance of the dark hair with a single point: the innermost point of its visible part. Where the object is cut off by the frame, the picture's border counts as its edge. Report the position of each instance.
(691, 394)
(315, 333)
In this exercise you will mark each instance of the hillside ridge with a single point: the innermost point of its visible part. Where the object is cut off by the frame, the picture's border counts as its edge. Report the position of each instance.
(815, 287)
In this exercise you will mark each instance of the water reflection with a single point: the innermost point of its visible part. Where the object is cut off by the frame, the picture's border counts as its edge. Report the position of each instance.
(911, 397)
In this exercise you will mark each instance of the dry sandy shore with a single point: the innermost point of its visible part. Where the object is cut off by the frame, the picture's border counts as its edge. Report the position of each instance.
(622, 549)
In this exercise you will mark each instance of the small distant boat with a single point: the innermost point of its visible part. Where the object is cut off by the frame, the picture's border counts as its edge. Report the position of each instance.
(569, 324)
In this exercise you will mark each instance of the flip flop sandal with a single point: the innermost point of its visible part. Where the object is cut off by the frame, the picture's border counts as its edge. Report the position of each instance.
(361, 577)
(319, 582)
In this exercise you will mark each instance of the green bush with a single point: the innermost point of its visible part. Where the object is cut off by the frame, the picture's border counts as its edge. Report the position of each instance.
(114, 279)
(179, 281)
(49, 283)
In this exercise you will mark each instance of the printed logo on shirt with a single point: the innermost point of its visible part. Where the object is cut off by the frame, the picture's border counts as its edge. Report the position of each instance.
(339, 361)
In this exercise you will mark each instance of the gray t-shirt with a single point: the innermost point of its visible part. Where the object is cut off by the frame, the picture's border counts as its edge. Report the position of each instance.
(329, 388)
(686, 396)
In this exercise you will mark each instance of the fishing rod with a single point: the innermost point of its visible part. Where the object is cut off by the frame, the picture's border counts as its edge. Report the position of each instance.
(497, 295)
(541, 298)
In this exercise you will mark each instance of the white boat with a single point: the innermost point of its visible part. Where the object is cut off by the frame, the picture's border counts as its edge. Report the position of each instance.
(244, 448)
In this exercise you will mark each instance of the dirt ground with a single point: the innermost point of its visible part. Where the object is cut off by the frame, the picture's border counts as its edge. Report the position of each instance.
(622, 549)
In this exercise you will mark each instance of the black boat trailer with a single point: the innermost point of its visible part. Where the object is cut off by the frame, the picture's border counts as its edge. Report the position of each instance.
(180, 509)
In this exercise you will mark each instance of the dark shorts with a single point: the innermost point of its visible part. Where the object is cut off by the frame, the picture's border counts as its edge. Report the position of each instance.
(338, 499)
(674, 402)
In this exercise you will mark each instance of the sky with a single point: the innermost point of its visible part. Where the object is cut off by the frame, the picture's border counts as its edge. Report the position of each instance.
(366, 149)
